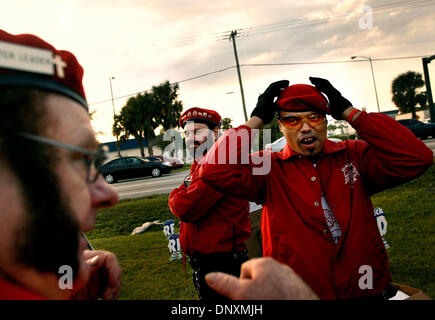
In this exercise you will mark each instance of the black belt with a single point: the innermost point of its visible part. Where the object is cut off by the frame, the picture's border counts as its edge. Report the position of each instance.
(218, 256)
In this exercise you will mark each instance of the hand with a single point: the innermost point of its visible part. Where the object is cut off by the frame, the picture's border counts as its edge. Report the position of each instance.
(265, 109)
(105, 276)
(337, 103)
(261, 279)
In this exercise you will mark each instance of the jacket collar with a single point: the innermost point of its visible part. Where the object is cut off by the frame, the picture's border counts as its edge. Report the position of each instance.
(329, 147)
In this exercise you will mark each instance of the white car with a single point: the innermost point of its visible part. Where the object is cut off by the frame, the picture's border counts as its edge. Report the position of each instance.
(279, 144)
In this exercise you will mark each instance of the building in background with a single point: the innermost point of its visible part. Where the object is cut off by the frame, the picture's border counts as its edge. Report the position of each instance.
(129, 148)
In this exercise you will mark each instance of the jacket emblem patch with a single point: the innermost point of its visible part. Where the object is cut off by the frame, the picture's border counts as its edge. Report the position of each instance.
(350, 173)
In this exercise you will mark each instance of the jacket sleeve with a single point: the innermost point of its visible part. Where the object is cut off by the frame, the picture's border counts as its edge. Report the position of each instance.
(192, 203)
(230, 168)
(392, 155)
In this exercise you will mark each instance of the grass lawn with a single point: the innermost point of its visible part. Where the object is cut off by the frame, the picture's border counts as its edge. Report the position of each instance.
(148, 273)
(144, 258)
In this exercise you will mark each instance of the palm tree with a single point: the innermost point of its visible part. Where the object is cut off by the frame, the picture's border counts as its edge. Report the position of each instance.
(404, 88)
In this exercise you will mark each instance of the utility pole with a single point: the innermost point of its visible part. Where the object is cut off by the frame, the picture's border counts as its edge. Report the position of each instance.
(426, 61)
(232, 37)
(113, 107)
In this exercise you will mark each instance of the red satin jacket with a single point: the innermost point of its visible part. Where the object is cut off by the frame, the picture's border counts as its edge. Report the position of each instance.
(293, 224)
(210, 221)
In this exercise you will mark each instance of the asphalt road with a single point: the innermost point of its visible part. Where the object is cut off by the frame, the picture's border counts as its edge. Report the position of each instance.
(148, 185)
(166, 183)
(431, 144)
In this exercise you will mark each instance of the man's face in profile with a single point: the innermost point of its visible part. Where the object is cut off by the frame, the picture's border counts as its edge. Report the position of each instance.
(32, 237)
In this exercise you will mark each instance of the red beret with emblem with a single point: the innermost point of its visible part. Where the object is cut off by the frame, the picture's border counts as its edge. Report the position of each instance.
(302, 97)
(200, 115)
(28, 61)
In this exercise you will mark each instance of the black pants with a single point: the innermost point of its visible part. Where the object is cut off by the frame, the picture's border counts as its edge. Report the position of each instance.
(202, 264)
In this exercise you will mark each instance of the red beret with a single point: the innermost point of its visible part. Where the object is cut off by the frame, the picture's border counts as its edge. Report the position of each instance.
(26, 60)
(302, 97)
(200, 115)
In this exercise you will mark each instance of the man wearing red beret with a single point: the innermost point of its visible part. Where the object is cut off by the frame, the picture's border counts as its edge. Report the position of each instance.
(50, 186)
(214, 227)
(317, 213)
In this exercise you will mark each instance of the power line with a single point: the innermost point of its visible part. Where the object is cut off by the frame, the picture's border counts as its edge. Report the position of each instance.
(263, 65)
(296, 23)
(307, 48)
(342, 47)
(325, 62)
(184, 80)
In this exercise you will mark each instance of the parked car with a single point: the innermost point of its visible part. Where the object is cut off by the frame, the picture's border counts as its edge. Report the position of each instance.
(174, 162)
(133, 167)
(420, 129)
(279, 144)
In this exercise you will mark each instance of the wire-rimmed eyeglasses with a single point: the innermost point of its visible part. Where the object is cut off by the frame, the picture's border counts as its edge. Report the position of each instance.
(92, 159)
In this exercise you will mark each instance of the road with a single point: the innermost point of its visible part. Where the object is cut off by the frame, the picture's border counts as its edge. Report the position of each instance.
(431, 144)
(166, 183)
(148, 185)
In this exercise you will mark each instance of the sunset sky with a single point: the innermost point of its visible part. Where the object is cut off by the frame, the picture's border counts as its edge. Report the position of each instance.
(143, 43)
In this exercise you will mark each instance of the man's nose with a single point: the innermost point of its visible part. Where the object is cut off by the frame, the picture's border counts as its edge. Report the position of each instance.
(102, 194)
(305, 126)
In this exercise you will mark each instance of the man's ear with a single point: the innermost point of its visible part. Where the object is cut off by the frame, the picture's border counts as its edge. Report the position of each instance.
(279, 124)
(216, 132)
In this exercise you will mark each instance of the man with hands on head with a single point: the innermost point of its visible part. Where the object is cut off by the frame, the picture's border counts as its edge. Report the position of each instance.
(317, 214)
(50, 184)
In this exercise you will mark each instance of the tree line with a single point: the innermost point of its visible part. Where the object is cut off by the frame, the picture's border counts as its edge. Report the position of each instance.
(160, 107)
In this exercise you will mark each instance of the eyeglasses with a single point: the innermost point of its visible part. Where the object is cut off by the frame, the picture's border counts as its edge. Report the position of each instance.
(295, 123)
(93, 159)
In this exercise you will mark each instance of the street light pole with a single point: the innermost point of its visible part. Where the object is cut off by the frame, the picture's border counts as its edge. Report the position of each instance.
(426, 61)
(113, 107)
(373, 76)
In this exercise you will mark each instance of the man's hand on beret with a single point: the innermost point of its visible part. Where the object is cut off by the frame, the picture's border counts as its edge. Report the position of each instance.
(265, 109)
(337, 103)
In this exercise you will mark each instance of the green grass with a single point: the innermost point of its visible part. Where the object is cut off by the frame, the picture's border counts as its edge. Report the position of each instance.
(148, 273)
(410, 214)
(184, 168)
(129, 214)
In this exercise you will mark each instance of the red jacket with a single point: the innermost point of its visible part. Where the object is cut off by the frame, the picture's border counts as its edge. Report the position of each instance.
(293, 225)
(12, 291)
(209, 218)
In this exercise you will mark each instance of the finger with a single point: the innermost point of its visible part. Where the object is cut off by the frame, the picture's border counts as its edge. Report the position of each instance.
(88, 254)
(93, 262)
(247, 269)
(321, 84)
(315, 81)
(225, 284)
(114, 274)
(276, 87)
(108, 267)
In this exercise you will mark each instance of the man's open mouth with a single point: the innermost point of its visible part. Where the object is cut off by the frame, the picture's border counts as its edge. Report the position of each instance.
(308, 141)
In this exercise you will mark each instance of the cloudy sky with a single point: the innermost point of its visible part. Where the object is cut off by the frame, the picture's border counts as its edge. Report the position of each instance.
(143, 43)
